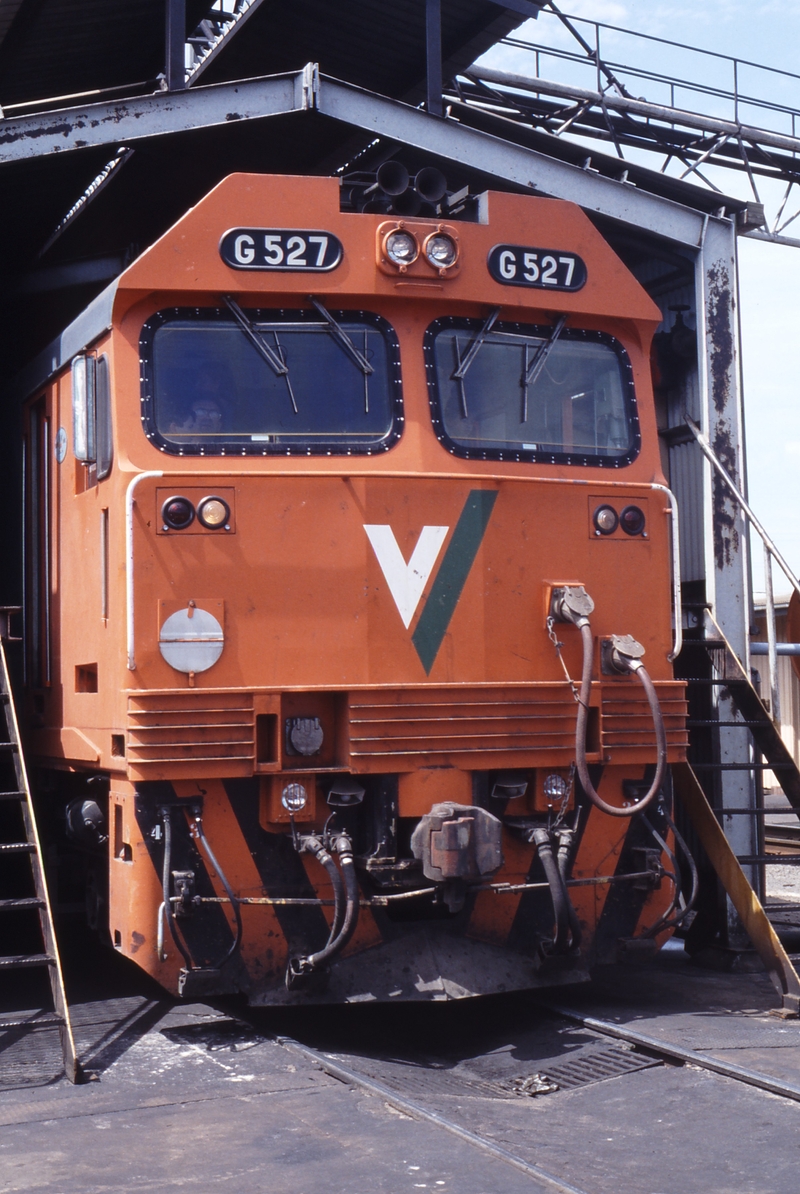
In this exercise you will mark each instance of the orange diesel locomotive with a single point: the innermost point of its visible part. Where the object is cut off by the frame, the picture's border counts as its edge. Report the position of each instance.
(346, 546)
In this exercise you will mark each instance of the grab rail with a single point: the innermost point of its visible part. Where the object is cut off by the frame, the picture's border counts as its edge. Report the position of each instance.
(771, 553)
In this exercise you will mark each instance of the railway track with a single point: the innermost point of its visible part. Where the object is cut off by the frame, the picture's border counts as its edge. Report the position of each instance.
(652, 1050)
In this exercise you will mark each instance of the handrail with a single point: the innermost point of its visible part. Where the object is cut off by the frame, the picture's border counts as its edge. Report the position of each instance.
(770, 552)
(712, 457)
(129, 592)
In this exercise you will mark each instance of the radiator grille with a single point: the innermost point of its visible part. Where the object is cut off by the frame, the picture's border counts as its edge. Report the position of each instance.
(190, 734)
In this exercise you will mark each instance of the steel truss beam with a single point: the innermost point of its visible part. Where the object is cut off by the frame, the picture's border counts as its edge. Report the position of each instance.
(111, 123)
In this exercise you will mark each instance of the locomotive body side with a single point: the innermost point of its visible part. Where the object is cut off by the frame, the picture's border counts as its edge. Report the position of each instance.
(251, 622)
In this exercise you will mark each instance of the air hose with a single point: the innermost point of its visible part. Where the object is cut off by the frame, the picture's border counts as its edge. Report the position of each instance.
(166, 875)
(344, 921)
(623, 654)
(558, 891)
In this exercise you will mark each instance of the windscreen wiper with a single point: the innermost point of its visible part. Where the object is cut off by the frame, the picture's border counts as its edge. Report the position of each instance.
(275, 362)
(472, 352)
(339, 334)
(532, 371)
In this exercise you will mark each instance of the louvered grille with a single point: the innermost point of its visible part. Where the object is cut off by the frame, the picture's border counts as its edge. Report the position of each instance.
(445, 726)
(186, 734)
(628, 725)
(499, 727)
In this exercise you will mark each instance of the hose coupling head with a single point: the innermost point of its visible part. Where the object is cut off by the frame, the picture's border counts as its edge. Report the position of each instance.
(571, 603)
(311, 844)
(343, 847)
(620, 654)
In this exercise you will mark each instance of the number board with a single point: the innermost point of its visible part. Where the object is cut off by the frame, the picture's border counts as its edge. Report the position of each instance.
(544, 269)
(285, 249)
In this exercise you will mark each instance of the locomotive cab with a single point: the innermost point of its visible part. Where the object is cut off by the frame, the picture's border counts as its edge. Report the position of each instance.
(349, 584)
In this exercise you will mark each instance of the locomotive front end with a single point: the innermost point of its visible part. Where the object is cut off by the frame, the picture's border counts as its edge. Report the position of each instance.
(377, 673)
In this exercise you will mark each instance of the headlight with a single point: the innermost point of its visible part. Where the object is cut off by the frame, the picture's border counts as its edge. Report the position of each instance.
(213, 513)
(605, 520)
(441, 250)
(632, 520)
(177, 513)
(555, 787)
(401, 248)
(294, 798)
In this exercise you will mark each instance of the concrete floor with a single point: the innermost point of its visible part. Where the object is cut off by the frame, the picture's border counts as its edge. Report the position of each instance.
(203, 1097)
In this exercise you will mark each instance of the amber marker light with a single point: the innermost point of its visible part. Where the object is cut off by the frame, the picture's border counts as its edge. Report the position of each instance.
(605, 520)
(214, 513)
(177, 513)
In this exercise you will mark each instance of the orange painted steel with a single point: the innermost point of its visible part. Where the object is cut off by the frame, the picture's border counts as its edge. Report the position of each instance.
(311, 628)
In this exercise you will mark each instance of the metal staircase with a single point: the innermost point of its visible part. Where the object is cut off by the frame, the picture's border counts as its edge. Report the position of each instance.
(21, 839)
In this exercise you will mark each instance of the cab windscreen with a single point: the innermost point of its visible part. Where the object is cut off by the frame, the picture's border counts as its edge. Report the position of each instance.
(521, 392)
(270, 381)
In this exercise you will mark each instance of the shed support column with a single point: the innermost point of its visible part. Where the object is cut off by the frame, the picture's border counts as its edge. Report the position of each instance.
(727, 563)
(175, 70)
(433, 50)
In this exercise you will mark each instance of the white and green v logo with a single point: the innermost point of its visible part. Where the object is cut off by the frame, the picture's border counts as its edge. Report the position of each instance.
(407, 581)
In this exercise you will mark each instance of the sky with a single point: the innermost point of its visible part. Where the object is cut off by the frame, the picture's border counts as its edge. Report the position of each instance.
(763, 33)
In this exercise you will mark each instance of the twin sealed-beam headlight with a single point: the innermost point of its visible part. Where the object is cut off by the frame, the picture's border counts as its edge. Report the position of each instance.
(177, 513)
(441, 250)
(402, 249)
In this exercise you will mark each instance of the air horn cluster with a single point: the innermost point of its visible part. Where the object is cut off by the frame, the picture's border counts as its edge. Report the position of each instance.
(391, 190)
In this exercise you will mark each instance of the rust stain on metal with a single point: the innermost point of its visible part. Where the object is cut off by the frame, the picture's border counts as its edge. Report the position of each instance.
(721, 363)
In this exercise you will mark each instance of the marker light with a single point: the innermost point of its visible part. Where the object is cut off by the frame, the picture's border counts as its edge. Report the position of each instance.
(401, 248)
(441, 251)
(605, 520)
(177, 513)
(294, 798)
(213, 513)
(632, 520)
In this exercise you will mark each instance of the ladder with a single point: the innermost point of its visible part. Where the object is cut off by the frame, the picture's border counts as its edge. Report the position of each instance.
(15, 778)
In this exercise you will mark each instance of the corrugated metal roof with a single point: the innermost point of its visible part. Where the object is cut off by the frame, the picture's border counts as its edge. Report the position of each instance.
(62, 47)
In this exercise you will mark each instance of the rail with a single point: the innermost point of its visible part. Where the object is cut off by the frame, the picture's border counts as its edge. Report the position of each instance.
(771, 553)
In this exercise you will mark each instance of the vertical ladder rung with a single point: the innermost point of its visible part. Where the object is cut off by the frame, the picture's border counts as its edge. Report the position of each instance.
(13, 796)
(26, 902)
(17, 848)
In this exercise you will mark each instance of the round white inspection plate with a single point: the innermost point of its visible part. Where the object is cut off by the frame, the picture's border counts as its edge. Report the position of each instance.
(191, 640)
